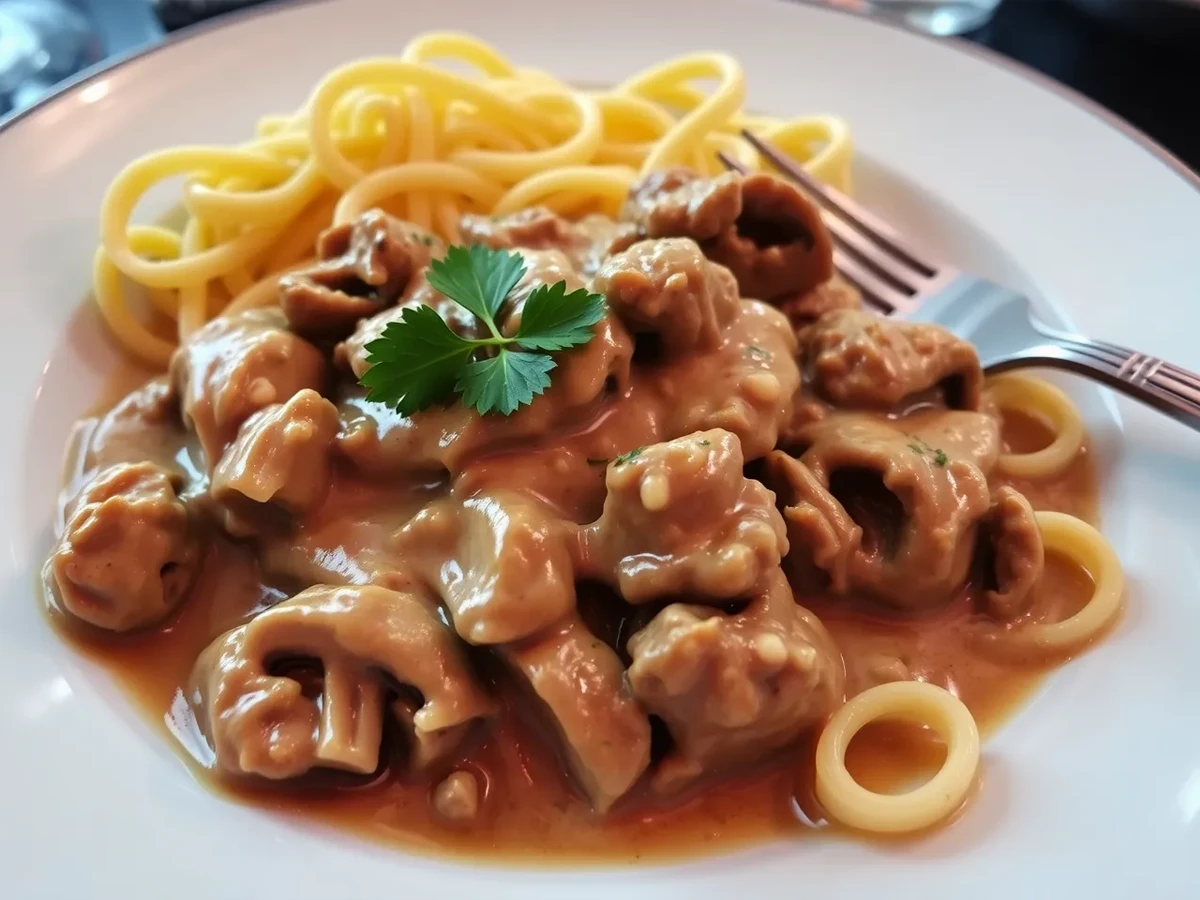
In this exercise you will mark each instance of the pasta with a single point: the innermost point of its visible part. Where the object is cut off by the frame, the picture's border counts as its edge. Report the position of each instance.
(1087, 548)
(917, 702)
(1053, 408)
(409, 134)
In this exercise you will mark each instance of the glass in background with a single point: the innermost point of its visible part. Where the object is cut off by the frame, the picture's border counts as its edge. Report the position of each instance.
(43, 42)
(940, 17)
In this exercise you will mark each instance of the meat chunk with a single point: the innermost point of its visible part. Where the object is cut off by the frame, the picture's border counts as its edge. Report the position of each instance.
(145, 424)
(758, 226)
(1012, 554)
(585, 243)
(542, 267)
(835, 294)
(857, 360)
(260, 721)
(668, 289)
(679, 203)
(680, 517)
(352, 354)
(532, 228)
(734, 688)
(280, 464)
(363, 266)
(746, 386)
(500, 563)
(378, 441)
(236, 365)
(582, 689)
(129, 552)
(915, 510)
(604, 239)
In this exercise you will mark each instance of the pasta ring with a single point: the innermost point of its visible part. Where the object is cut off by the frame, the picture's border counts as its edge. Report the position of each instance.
(1049, 405)
(916, 701)
(1087, 547)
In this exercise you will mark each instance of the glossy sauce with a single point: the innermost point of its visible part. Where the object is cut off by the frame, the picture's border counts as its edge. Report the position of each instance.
(531, 812)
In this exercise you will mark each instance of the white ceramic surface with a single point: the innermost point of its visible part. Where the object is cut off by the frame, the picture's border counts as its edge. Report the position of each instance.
(1093, 790)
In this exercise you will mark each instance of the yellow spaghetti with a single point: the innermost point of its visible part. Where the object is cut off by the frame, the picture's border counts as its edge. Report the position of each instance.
(413, 136)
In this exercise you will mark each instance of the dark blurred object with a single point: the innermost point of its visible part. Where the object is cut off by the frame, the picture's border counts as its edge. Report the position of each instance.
(1152, 85)
(1175, 21)
(178, 13)
(43, 42)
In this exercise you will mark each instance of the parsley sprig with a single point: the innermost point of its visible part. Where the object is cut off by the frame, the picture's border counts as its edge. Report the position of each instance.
(418, 361)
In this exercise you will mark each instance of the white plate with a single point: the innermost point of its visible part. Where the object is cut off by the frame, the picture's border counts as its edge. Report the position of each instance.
(1093, 790)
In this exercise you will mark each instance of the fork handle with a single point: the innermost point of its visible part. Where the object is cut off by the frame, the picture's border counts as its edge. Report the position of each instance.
(1168, 388)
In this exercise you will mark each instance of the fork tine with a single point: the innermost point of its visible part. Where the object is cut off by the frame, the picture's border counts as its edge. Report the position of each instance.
(875, 290)
(835, 201)
(730, 163)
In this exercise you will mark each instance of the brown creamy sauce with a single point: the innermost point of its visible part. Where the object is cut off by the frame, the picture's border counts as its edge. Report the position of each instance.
(530, 811)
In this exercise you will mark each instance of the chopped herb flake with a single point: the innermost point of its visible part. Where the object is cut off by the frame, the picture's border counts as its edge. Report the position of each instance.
(628, 457)
(755, 352)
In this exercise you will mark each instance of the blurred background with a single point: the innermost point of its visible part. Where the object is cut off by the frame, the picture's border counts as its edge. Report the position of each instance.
(1138, 58)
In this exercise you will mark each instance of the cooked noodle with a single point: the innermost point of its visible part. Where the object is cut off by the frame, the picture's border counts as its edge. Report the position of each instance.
(911, 701)
(410, 135)
(1050, 406)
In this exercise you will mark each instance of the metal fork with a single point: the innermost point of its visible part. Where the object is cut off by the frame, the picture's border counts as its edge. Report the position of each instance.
(898, 280)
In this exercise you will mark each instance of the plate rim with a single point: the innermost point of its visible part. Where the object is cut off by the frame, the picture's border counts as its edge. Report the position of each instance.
(695, 869)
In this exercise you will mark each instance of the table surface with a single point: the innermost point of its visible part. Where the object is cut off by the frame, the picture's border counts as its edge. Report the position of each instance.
(1154, 85)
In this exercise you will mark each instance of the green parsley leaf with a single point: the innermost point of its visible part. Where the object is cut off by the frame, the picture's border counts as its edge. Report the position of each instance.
(628, 457)
(504, 382)
(418, 360)
(415, 362)
(552, 319)
(478, 278)
(940, 457)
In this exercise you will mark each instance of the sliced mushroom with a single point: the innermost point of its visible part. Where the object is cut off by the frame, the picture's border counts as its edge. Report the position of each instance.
(262, 723)
(500, 563)
(1012, 554)
(733, 688)
(760, 227)
(915, 509)
(778, 247)
(582, 688)
(658, 536)
(822, 536)
(129, 552)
